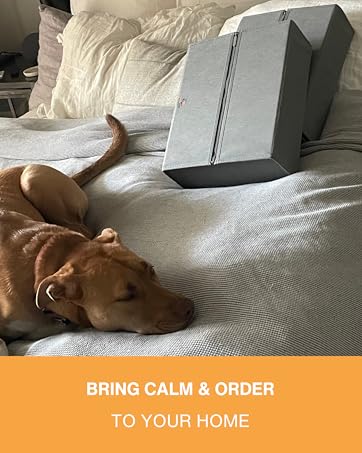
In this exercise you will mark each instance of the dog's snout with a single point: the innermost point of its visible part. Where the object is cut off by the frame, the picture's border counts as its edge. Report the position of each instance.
(186, 308)
(182, 314)
(191, 309)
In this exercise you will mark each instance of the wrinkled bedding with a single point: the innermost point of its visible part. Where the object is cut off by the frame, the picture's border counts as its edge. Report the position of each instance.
(274, 268)
(351, 75)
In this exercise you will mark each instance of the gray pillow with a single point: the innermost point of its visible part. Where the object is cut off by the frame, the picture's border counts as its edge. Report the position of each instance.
(52, 22)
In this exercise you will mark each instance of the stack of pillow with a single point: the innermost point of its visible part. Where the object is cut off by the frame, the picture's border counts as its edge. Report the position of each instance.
(110, 54)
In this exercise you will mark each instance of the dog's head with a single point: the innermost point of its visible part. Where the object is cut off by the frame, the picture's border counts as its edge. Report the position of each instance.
(105, 285)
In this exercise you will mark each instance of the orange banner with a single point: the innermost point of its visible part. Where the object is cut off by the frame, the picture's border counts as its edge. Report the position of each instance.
(251, 404)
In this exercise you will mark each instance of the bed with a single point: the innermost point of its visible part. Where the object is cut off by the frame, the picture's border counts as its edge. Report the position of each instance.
(273, 268)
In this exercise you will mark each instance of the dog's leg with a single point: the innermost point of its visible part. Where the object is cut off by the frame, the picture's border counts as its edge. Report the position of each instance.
(57, 197)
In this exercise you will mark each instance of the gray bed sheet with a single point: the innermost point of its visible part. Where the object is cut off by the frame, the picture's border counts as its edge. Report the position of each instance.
(274, 268)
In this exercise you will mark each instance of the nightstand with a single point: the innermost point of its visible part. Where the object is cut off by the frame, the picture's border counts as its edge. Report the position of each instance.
(15, 90)
(18, 87)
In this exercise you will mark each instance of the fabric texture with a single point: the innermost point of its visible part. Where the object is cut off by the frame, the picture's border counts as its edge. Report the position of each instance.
(180, 27)
(273, 268)
(240, 5)
(35, 113)
(126, 8)
(95, 52)
(52, 22)
(151, 75)
(343, 126)
(351, 75)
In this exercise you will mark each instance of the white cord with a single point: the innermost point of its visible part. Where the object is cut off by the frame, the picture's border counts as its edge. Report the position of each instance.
(48, 293)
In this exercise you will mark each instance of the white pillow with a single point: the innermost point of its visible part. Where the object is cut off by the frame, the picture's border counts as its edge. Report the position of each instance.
(126, 9)
(241, 5)
(351, 76)
(179, 27)
(151, 76)
(95, 52)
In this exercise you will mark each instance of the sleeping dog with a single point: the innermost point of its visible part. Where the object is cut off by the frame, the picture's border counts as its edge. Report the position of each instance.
(53, 274)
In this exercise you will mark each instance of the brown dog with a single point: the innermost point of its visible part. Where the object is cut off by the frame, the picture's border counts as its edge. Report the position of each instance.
(52, 273)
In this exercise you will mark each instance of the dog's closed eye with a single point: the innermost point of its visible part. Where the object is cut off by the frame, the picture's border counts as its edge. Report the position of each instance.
(129, 294)
(132, 291)
(148, 267)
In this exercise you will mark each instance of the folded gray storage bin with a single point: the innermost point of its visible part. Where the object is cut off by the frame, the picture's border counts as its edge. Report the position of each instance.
(240, 113)
(330, 33)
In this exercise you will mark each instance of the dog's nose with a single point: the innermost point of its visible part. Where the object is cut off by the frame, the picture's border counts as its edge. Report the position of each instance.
(188, 308)
(181, 316)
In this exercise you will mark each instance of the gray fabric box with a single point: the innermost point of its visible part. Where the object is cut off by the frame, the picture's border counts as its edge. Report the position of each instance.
(330, 33)
(240, 113)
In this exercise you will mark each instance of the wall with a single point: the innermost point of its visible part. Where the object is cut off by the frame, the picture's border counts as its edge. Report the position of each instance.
(18, 18)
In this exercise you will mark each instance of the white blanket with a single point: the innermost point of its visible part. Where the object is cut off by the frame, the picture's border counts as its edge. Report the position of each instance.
(274, 268)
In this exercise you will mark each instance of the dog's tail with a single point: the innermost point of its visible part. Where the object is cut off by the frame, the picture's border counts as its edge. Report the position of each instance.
(110, 157)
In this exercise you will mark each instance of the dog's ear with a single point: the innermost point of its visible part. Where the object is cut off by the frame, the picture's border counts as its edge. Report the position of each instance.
(108, 236)
(65, 289)
(63, 286)
(61, 293)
